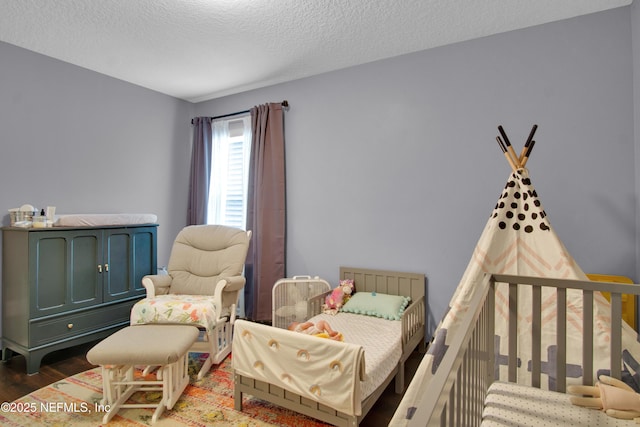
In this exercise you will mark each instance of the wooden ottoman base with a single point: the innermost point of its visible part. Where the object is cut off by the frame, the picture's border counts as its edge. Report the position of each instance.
(164, 346)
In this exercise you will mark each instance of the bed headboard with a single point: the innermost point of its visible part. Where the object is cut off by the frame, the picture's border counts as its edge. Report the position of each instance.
(386, 282)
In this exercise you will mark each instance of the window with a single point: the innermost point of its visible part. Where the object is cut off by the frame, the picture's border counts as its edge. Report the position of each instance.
(231, 147)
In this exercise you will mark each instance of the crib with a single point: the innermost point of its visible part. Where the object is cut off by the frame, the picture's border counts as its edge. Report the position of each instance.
(474, 385)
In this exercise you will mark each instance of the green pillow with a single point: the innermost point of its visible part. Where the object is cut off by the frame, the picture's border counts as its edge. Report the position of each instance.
(386, 306)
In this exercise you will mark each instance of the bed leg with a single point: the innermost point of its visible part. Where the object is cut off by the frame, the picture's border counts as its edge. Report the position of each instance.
(237, 397)
(400, 378)
(237, 401)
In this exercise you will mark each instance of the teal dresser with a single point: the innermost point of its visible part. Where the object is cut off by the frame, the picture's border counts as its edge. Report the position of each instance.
(67, 286)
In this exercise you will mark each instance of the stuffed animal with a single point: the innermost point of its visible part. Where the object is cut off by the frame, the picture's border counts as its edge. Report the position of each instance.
(339, 296)
(348, 288)
(614, 397)
(333, 301)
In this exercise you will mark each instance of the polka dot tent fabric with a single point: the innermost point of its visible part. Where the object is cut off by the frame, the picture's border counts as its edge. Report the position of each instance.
(518, 239)
(519, 208)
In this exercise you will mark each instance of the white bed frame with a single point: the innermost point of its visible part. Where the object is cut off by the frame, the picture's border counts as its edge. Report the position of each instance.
(413, 335)
(459, 387)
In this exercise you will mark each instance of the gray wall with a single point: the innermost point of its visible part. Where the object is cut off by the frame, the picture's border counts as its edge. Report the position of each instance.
(87, 143)
(394, 164)
(390, 165)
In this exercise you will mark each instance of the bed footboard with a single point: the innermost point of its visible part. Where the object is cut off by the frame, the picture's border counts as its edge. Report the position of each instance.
(321, 370)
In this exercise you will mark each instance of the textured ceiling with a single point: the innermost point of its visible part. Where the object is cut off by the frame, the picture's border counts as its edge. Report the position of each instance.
(203, 49)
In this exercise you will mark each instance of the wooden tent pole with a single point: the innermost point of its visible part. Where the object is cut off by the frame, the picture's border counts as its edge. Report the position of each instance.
(507, 154)
(516, 162)
(525, 150)
(526, 156)
(510, 149)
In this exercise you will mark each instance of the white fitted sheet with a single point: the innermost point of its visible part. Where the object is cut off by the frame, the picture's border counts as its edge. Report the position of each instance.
(381, 340)
(517, 405)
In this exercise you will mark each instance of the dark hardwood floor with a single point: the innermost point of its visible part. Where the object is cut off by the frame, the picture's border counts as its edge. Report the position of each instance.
(15, 383)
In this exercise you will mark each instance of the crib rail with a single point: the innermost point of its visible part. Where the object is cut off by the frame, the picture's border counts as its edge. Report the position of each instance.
(458, 388)
(562, 287)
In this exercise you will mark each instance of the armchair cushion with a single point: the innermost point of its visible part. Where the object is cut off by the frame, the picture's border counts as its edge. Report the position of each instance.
(202, 255)
(198, 310)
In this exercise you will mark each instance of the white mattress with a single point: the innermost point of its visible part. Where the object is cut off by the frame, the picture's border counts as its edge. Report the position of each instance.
(509, 404)
(94, 220)
(380, 338)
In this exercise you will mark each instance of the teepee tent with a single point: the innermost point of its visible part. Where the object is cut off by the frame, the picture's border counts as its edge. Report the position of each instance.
(519, 240)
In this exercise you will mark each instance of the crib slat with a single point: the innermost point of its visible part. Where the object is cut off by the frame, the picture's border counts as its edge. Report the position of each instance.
(536, 331)
(456, 421)
(450, 407)
(561, 341)
(587, 337)
(491, 327)
(477, 383)
(445, 416)
(616, 332)
(465, 386)
(513, 331)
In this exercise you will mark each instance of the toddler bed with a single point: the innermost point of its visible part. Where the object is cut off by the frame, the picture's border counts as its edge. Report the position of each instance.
(336, 382)
(471, 383)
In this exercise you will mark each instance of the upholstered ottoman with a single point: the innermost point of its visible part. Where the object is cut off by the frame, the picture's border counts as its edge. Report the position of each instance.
(164, 346)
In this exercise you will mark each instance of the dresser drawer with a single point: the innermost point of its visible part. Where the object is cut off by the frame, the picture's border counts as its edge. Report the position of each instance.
(44, 331)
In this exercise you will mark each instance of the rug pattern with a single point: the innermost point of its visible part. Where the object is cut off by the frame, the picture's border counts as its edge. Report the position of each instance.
(75, 401)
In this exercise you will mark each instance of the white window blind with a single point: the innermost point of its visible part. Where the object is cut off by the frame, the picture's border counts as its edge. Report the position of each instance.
(231, 145)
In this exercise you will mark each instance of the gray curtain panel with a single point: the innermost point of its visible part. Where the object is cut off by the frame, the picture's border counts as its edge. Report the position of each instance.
(200, 171)
(266, 210)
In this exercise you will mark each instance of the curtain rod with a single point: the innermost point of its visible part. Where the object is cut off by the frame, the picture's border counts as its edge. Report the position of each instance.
(284, 103)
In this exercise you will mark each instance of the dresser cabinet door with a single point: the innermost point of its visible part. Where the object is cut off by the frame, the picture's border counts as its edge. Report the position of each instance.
(64, 271)
(129, 255)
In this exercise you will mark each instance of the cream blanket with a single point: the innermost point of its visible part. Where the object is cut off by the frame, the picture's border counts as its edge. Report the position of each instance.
(324, 370)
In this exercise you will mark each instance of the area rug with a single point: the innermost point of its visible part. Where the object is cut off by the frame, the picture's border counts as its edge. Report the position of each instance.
(75, 401)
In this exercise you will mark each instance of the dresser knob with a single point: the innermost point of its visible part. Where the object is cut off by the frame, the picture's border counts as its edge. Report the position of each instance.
(70, 325)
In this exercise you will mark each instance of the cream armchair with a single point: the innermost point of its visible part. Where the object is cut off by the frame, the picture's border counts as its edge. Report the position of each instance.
(202, 287)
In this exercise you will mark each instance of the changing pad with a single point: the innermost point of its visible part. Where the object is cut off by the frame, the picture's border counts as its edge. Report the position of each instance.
(84, 220)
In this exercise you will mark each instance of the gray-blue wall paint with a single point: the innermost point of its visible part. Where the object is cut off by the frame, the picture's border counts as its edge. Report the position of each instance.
(390, 165)
(88, 143)
(394, 164)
